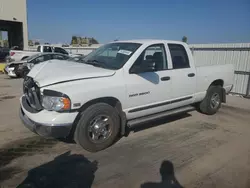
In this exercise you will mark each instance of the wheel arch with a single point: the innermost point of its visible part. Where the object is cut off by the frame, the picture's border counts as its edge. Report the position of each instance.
(112, 101)
(220, 82)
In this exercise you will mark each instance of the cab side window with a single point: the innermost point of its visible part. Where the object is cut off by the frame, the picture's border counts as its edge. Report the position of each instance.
(61, 51)
(47, 49)
(41, 58)
(155, 53)
(60, 57)
(179, 56)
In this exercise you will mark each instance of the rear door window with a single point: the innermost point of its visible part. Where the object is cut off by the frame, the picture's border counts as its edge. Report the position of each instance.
(179, 56)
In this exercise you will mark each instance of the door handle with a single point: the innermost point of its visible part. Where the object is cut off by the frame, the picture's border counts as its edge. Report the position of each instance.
(166, 78)
(191, 75)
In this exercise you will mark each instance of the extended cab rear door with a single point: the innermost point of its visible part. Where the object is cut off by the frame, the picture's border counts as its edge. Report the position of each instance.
(182, 73)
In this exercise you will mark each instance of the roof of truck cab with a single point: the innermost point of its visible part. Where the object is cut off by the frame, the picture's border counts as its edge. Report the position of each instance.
(49, 53)
(148, 41)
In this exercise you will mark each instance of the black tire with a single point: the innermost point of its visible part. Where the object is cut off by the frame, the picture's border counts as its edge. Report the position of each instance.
(82, 134)
(205, 106)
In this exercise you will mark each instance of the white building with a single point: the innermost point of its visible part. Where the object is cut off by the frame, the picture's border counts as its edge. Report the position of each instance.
(13, 19)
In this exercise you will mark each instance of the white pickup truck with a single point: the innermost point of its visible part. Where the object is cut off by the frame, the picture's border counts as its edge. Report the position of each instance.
(17, 55)
(119, 86)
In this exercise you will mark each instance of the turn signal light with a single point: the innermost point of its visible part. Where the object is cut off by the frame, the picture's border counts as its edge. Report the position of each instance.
(66, 103)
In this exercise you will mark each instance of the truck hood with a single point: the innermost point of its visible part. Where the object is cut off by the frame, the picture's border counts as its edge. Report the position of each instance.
(58, 71)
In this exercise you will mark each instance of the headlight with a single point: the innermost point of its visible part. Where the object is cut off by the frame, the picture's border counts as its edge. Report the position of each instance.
(55, 103)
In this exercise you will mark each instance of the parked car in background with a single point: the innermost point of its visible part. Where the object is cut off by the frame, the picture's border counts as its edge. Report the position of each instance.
(18, 55)
(119, 86)
(22, 68)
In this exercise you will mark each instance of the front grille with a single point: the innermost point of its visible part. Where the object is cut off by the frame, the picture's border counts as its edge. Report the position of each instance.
(32, 93)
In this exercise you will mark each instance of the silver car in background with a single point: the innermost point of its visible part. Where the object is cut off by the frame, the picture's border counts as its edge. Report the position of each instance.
(20, 68)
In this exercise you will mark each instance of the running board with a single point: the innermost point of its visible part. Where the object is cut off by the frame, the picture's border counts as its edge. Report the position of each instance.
(134, 122)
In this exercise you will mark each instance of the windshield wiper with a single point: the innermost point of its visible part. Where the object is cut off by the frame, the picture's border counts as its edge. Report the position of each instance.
(101, 64)
(96, 63)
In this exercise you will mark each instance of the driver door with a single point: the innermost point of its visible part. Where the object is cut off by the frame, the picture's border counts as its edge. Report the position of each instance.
(149, 92)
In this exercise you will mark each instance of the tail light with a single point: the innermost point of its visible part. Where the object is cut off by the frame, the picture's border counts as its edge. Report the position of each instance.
(12, 53)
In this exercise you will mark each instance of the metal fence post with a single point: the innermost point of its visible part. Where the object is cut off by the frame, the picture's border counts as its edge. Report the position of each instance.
(248, 87)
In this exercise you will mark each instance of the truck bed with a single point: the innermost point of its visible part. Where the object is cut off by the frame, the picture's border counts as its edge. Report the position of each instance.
(207, 74)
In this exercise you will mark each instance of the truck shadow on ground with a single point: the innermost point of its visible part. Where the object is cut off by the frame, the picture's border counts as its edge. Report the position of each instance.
(18, 148)
(168, 179)
(66, 170)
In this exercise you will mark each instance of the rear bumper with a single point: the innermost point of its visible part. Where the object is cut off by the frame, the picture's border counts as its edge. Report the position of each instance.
(46, 124)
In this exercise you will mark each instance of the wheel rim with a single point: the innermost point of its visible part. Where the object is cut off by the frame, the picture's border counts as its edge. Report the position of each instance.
(215, 101)
(99, 129)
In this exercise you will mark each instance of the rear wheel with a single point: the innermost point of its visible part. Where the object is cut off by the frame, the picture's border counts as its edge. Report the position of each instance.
(98, 127)
(212, 102)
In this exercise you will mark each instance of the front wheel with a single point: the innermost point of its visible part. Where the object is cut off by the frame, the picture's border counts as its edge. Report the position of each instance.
(98, 127)
(212, 102)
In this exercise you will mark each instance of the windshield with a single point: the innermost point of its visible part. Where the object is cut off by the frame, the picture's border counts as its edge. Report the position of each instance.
(111, 56)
